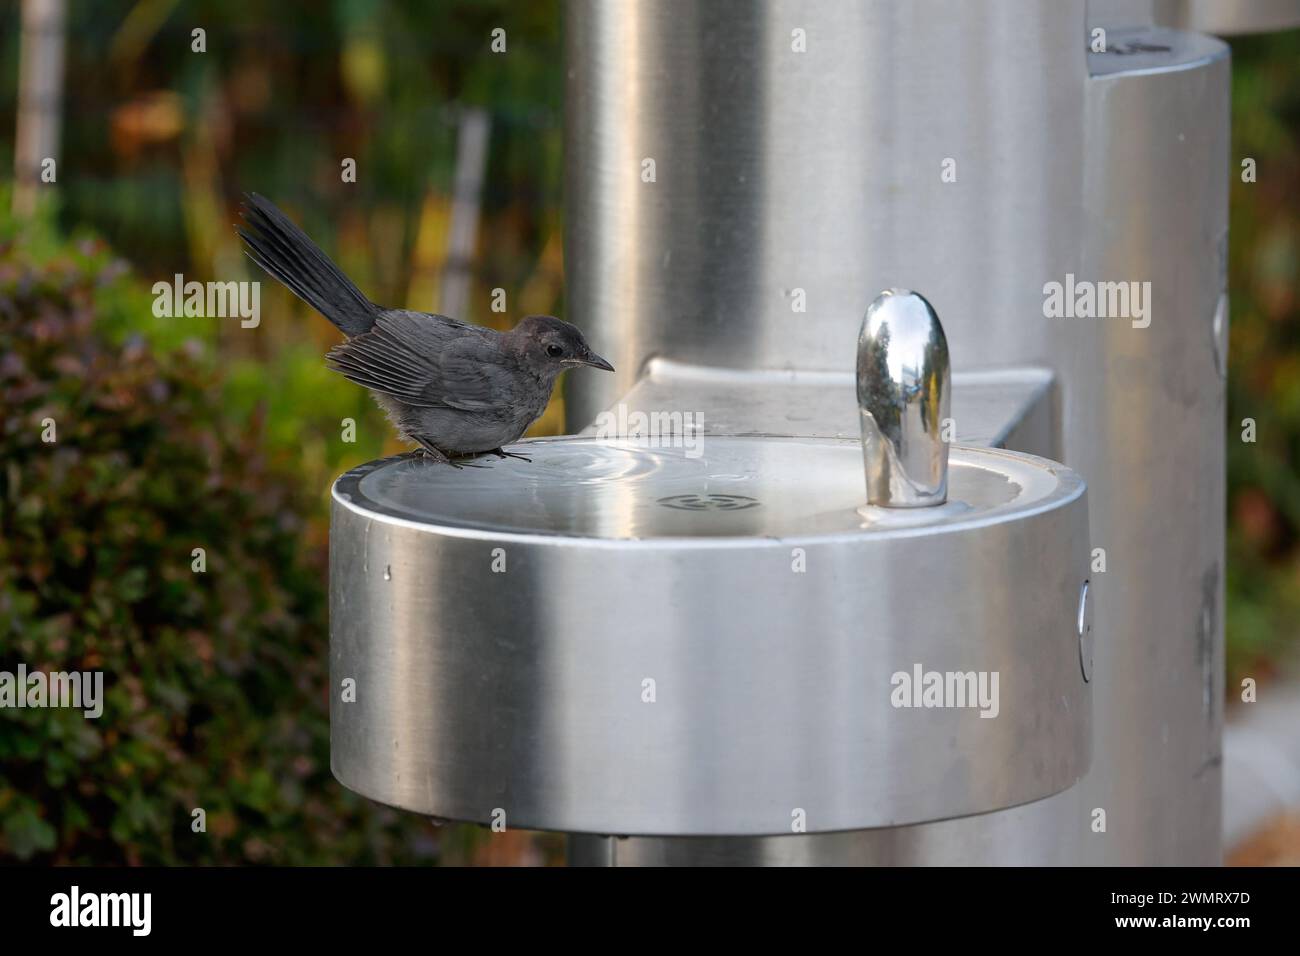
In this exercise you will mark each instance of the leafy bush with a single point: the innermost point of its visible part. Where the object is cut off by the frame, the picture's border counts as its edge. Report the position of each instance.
(214, 682)
(1264, 362)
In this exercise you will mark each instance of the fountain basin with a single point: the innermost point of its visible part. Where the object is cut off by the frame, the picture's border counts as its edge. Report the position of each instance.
(619, 639)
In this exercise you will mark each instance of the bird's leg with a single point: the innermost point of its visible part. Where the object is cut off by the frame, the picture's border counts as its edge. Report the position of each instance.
(502, 453)
(438, 455)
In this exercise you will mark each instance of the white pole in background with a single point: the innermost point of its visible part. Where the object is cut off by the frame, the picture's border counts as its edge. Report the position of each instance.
(467, 190)
(40, 89)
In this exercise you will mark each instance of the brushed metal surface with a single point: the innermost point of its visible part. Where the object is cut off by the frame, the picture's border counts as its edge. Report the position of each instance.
(788, 180)
(1142, 420)
(997, 407)
(819, 173)
(503, 667)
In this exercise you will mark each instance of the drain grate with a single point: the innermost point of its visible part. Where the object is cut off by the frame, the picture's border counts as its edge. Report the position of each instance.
(708, 502)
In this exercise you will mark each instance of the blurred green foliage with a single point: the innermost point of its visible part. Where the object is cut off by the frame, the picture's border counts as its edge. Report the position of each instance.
(160, 142)
(215, 682)
(1263, 581)
(285, 90)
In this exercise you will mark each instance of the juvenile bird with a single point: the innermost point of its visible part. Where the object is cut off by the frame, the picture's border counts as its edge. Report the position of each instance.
(452, 388)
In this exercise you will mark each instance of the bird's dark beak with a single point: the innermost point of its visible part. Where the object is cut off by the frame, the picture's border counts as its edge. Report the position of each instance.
(595, 361)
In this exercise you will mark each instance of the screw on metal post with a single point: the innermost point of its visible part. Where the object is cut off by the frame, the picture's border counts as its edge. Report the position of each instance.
(904, 391)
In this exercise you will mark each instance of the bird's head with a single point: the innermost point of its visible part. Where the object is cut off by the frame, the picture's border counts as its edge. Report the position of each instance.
(548, 344)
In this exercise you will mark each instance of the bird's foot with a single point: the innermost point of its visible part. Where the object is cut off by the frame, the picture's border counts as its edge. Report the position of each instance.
(435, 454)
(430, 452)
(502, 453)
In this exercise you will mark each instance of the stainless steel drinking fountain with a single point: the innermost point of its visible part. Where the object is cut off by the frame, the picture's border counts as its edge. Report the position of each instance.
(620, 638)
(716, 641)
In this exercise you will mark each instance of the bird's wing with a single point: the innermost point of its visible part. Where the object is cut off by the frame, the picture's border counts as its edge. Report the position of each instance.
(428, 361)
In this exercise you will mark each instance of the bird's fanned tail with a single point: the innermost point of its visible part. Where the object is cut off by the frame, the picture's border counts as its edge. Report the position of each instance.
(285, 251)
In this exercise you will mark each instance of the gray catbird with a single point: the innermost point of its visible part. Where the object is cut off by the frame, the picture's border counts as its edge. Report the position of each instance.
(455, 389)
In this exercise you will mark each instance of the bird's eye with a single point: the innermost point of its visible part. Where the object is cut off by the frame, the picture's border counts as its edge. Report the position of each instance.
(554, 351)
